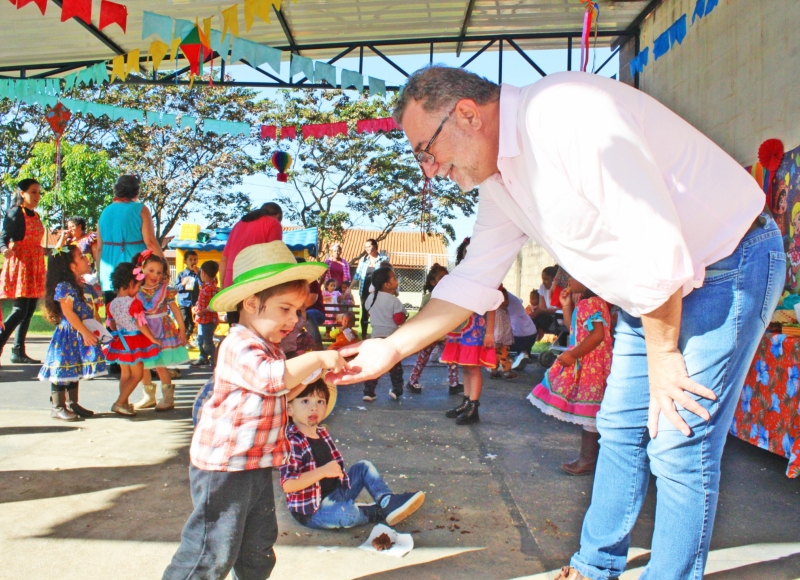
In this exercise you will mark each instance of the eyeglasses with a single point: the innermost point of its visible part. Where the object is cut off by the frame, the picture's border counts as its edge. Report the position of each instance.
(425, 158)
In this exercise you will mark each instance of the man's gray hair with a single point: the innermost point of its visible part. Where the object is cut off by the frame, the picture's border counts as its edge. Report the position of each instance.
(437, 87)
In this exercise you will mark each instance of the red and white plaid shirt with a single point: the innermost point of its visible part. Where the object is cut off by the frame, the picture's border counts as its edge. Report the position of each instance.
(242, 425)
(207, 292)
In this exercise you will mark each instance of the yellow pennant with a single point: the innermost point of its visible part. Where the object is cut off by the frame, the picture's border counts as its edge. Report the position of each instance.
(158, 50)
(132, 62)
(206, 36)
(230, 21)
(118, 68)
(176, 42)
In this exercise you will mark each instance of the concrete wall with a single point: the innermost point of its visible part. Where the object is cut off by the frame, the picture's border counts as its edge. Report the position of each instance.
(526, 273)
(735, 77)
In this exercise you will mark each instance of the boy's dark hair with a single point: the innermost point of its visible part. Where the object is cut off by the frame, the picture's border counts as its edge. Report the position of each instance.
(122, 276)
(436, 269)
(211, 268)
(285, 288)
(58, 271)
(550, 271)
(188, 254)
(318, 387)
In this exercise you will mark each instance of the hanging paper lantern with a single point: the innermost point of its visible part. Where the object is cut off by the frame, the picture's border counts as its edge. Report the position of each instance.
(281, 160)
(57, 117)
(770, 155)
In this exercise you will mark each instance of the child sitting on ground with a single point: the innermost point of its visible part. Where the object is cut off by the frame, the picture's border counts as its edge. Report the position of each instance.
(241, 432)
(319, 492)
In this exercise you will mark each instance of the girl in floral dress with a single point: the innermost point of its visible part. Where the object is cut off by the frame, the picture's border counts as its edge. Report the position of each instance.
(471, 347)
(158, 298)
(75, 352)
(133, 343)
(573, 387)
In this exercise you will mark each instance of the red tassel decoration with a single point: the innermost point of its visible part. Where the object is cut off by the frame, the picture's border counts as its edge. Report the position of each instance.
(113, 13)
(770, 155)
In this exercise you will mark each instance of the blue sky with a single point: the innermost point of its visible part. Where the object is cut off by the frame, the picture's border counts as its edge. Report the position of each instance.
(516, 71)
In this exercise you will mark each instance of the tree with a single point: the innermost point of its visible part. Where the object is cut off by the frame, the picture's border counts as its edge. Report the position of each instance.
(87, 181)
(375, 177)
(21, 128)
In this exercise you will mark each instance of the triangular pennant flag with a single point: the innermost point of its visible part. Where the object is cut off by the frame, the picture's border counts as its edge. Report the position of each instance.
(325, 72)
(710, 5)
(118, 67)
(376, 86)
(42, 4)
(182, 28)
(230, 20)
(168, 120)
(699, 10)
(250, 7)
(100, 73)
(188, 122)
(352, 79)
(205, 36)
(677, 32)
(276, 4)
(113, 13)
(158, 50)
(77, 9)
(220, 47)
(176, 42)
(661, 45)
(152, 118)
(267, 54)
(269, 132)
(301, 64)
(262, 10)
(69, 81)
(132, 62)
(288, 132)
(157, 24)
(86, 76)
(238, 49)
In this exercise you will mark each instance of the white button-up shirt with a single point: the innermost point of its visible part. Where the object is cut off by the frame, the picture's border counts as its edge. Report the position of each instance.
(626, 195)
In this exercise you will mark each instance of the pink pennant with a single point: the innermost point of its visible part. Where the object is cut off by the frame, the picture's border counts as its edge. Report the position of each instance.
(269, 132)
(374, 125)
(288, 132)
(324, 130)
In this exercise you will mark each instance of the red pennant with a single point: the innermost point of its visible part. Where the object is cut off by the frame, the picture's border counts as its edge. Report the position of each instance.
(192, 53)
(375, 125)
(269, 132)
(14, 2)
(289, 132)
(324, 130)
(112, 13)
(42, 4)
(78, 9)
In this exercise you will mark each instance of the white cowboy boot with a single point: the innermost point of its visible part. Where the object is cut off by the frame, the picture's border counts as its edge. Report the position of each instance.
(167, 401)
(148, 399)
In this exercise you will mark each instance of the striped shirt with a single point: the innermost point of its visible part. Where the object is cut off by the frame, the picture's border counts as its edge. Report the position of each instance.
(242, 425)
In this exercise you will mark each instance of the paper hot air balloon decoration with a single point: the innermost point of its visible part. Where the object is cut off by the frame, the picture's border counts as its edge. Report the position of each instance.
(281, 160)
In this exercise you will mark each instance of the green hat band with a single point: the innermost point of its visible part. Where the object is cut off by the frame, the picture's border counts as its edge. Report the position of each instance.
(268, 270)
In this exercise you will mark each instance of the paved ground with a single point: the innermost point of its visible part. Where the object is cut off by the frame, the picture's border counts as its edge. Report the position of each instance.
(107, 498)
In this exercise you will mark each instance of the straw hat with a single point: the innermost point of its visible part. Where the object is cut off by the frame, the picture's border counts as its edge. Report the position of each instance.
(263, 266)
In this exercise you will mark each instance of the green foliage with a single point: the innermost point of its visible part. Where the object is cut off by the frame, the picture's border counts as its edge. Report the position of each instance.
(354, 180)
(87, 181)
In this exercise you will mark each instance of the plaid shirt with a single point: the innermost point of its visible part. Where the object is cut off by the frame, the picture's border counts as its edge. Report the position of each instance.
(242, 424)
(301, 460)
(207, 292)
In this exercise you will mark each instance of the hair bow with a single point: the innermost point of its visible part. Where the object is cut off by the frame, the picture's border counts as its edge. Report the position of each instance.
(138, 274)
(144, 255)
(61, 250)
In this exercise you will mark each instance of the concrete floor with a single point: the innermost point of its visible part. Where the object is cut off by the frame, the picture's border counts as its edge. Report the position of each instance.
(108, 497)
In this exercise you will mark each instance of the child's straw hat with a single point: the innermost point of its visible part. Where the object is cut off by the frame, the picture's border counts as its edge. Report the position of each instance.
(263, 266)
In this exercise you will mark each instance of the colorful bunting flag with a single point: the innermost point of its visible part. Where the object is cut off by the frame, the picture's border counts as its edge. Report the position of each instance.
(132, 62)
(113, 13)
(324, 130)
(158, 50)
(253, 8)
(271, 56)
(176, 42)
(374, 125)
(77, 9)
(188, 123)
(182, 28)
(205, 32)
(118, 68)
(288, 132)
(157, 24)
(324, 72)
(42, 4)
(376, 86)
(269, 132)
(677, 32)
(222, 48)
(225, 127)
(301, 64)
(638, 62)
(352, 79)
(710, 5)
(230, 20)
(699, 10)
(661, 45)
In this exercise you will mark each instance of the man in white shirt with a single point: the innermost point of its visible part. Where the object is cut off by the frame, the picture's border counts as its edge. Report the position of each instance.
(652, 216)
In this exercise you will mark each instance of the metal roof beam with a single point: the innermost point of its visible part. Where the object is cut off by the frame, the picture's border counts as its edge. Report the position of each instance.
(477, 54)
(387, 59)
(286, 30)
(464, 26)
(528, 59)
(633, 27)
(613, 54)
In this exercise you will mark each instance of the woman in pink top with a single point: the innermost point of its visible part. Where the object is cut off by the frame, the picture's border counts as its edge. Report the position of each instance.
(260, 226)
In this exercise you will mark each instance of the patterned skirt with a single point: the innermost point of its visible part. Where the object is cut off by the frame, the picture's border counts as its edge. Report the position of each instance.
(69, 359)
(131, 349)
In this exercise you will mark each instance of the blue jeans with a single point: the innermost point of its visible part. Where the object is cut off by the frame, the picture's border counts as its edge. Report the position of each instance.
(339, 510)
(233, 525)
(205, 340)
(721, 326)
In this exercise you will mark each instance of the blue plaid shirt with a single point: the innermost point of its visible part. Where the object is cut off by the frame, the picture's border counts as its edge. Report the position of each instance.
(301, 460)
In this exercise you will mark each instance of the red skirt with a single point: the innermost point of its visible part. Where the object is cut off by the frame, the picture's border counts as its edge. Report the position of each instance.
(469, 356)
(139, 349)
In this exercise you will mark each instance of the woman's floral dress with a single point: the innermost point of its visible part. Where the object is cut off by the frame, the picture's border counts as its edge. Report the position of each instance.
(69, 358)
(574, 393)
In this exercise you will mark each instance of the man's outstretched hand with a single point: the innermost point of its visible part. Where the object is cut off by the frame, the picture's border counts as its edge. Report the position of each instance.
(374, 358)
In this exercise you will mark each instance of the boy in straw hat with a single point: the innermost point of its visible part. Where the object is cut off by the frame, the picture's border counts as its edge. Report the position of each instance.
(319, 492)
(240, 435)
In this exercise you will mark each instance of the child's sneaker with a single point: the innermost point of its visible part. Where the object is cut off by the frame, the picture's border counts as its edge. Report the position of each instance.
(372, 511)
(414, 388)
(457, 390)
(369, 395)
(396, 392)
(401, 505)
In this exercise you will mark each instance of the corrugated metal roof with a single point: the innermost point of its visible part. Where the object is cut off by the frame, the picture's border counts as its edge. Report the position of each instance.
(403, 248)
(30, 38)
